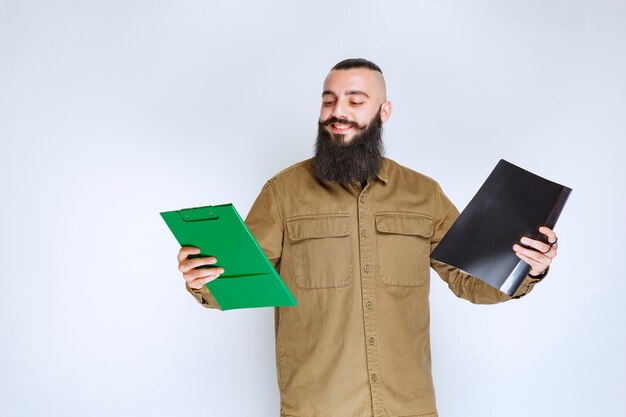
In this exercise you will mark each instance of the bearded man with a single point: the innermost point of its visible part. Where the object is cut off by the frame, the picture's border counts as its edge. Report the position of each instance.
(350, 233)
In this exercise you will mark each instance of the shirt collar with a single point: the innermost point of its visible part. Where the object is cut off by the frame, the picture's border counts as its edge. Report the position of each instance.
(382, 172)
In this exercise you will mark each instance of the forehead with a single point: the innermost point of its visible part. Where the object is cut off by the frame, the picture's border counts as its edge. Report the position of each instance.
(360, 79)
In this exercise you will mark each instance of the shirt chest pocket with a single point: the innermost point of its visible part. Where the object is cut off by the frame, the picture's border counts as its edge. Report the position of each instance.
(321, 250)
(403, 240)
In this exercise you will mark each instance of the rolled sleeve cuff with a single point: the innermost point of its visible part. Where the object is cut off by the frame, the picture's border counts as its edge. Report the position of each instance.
(204, 297)
(529, 282)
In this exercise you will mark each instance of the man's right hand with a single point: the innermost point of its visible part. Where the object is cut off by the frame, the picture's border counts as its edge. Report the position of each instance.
(194, 276)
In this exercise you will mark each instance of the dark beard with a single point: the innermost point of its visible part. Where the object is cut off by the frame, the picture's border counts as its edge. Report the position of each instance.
(359, 160)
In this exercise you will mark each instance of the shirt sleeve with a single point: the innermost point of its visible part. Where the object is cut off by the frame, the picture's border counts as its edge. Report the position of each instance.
(204, 297)
(264, 221)
(461, 284)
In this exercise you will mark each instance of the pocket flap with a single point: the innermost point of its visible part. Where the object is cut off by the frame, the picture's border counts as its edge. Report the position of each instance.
(316, 226)
(404, 223)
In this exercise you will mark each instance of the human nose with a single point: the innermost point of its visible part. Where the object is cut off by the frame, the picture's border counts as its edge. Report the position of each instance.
(339, 110)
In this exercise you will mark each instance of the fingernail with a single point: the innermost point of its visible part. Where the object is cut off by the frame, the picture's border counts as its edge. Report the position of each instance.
(221, 270)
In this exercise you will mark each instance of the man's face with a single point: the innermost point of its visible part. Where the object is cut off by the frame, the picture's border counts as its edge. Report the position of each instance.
(350, 100)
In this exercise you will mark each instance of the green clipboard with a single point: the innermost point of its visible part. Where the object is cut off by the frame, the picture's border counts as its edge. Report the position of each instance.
(249, 279)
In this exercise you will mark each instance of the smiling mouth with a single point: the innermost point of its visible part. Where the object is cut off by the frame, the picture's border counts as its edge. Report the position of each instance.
(340, 127)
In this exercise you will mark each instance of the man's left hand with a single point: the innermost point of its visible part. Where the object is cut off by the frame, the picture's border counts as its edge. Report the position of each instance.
(541, 254)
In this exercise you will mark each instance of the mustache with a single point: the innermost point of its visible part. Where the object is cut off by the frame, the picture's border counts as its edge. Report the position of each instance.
(342, 121)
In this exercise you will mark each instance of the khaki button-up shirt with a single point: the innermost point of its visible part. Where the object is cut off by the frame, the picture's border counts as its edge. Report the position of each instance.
(357, 260)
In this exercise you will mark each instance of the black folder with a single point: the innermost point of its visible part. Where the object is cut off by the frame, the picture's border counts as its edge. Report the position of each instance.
(510, 204)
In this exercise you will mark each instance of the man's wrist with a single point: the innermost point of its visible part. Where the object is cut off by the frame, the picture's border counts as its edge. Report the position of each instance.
(540, 275)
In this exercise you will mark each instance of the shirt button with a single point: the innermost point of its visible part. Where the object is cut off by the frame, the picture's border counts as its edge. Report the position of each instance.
(372, 341)
(364, 232)
(366, 268)
(362, 199)
(374, 377)
(369, 305)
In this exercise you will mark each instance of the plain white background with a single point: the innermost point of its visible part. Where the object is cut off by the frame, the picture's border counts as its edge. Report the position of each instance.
(111, 111)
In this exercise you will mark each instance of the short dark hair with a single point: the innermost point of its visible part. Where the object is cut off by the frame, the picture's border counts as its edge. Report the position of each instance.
(353, 63)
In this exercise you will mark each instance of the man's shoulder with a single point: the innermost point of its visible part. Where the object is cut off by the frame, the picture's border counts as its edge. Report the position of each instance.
(299, 170)
(397, 172)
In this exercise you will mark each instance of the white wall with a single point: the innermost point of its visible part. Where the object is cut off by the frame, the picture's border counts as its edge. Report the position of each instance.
(111, 111)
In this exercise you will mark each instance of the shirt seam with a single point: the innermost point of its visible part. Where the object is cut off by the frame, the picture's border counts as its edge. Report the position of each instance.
(281, 213)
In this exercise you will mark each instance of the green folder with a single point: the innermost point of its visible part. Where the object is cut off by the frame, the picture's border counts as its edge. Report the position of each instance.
(249, 279)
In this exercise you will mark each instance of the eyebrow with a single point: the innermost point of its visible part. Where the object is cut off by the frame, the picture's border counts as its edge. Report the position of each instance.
(348, 93)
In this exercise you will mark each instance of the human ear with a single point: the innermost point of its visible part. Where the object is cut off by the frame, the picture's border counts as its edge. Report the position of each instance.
(385, 111)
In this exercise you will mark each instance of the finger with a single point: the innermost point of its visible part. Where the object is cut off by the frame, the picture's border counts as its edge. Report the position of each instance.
(530, 253)
(189, 264)
(201, 273)
(553, 252)
(185, 251)
(535, 244)
(204, 279)
(549, 233)
(534, 265)
(200, 282)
